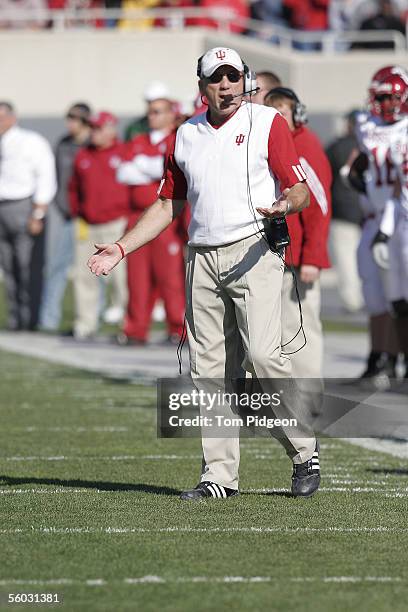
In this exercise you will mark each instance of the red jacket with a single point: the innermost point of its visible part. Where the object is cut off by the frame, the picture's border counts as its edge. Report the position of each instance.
(94, 193)
(309, 229)
(143, 196)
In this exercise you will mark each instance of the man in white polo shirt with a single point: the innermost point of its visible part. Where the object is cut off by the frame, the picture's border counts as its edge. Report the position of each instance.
(231, 163)
(27, 187)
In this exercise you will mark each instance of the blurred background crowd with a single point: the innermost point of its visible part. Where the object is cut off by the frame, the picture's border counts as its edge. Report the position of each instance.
(237, 16)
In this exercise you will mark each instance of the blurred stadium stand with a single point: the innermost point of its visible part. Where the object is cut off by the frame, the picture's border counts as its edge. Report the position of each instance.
(43, 71)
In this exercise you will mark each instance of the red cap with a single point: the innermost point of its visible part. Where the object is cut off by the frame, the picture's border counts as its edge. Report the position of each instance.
(102, 118)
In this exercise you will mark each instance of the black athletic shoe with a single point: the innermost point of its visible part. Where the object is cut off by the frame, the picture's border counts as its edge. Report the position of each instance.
(379, 373)
(306, 476)
(208, 489)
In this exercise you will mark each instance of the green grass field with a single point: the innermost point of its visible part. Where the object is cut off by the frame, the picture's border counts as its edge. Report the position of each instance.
(89, 509)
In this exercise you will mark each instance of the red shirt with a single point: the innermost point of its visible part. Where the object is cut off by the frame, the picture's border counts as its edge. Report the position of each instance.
(94, 193)
(143, 196)
(309, 229)
(308, 15)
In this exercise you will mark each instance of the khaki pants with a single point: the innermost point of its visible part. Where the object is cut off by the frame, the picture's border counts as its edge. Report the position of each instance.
(87, 286)
(233, 314)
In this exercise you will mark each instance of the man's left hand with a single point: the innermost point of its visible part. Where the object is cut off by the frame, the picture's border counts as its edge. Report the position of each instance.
(278, 209)
(309, 274)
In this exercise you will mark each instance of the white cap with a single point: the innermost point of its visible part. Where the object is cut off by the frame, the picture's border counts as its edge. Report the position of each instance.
(219, 56)
(156, 91)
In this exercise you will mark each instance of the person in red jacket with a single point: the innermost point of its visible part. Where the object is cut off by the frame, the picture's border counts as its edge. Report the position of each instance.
(158, 267)
(308, 232)
(101, 204)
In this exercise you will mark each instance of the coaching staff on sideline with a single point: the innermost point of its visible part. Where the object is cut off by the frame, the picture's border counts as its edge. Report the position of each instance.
(233, 281)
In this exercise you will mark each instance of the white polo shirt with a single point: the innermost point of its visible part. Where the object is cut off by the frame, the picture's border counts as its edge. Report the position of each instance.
(27, 166)
(226, 172)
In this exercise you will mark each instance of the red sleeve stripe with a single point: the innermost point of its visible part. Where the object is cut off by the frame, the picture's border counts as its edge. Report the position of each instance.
(298, 170)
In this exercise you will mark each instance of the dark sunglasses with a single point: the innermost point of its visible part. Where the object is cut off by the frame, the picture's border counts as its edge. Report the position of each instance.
(232, 76)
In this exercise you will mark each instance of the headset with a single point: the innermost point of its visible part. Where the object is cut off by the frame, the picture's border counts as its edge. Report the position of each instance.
(250, 84)
(299, 113)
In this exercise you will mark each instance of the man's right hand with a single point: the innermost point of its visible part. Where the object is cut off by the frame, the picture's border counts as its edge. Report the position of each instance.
(105, 259)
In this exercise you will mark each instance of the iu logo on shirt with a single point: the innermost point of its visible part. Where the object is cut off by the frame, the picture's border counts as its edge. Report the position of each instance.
(220, 54)
(240, 139)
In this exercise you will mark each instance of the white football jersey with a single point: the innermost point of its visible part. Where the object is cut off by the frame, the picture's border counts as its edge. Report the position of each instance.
(399, 158)
(376, 140)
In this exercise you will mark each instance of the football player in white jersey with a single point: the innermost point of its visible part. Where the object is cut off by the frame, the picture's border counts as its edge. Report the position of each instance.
(390, 246)
(376, 131)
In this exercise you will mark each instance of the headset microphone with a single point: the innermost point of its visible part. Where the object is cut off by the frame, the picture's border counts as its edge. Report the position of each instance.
(245, 93)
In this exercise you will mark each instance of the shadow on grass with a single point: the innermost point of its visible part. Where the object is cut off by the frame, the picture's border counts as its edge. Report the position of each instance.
(269, 493)
(89, 484)
(395, 471)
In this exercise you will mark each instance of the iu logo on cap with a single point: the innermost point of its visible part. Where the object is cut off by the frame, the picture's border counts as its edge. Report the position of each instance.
(240, 139)
(220, 54)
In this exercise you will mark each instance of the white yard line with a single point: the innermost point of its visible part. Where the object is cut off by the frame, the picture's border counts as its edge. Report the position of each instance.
(108, 429)
(171, 530)
(152, 579)
(396, 448)
(99, 458)
(389, 492)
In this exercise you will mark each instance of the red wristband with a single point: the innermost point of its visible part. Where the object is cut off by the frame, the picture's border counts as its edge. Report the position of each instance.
(121, 249)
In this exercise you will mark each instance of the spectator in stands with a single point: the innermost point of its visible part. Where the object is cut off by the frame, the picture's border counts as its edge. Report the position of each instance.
(112, 4)
(135, 5)
(154, 91)
(159, 265)
(308, 16)
(60, 226)
(270, 11)
(347, 217)
(266, 81)
(235, 12)
(27, 186)
(22, 14)
(384, 19)
(99, 200)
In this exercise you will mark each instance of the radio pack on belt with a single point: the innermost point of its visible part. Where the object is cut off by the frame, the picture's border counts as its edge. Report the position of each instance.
(277, 233)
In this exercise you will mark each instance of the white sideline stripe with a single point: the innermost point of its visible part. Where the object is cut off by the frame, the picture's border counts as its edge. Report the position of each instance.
(389, 492)
(390, 447)
(198, 579)
(107, 429)
(170, 530)
(332, 490)
(100, 458)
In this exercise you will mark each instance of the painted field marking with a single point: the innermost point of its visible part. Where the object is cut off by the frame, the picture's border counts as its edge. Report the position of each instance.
(50, 530)
(152, 579)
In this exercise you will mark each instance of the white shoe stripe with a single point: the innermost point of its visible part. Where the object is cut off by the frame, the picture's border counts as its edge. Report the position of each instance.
(222, 491)
(213, 491)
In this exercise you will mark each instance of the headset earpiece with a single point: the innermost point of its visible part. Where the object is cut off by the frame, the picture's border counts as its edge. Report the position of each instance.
(299, 113)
